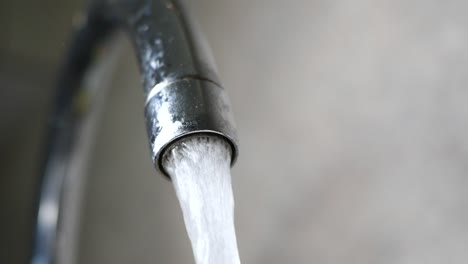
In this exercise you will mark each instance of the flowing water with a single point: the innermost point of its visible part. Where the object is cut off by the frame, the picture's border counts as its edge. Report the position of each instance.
(200, 171)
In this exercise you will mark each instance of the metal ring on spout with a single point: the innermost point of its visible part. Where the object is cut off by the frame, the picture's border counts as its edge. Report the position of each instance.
(185, 107)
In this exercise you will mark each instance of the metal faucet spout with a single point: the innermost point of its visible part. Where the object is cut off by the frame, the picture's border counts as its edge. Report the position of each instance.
(183, 97)
(182, 90)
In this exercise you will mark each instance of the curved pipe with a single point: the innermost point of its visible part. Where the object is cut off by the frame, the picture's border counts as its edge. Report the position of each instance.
(183, 97)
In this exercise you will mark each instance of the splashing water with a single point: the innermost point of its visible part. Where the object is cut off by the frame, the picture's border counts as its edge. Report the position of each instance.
(200, 171)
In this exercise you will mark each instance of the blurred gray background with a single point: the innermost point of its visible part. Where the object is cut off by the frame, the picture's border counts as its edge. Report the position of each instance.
(353, 121)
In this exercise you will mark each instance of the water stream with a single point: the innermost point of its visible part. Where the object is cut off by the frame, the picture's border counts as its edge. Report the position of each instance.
(200, 171)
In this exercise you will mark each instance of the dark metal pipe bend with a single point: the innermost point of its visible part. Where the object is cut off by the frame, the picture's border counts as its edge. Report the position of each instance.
(183, 97)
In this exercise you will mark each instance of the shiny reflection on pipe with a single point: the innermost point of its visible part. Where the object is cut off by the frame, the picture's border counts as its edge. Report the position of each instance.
(48, 214)
(183, 97)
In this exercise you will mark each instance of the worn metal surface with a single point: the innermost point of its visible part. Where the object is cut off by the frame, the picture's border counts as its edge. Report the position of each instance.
(183, 93)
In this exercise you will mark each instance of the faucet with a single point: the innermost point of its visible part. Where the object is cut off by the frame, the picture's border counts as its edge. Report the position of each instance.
(183, 97)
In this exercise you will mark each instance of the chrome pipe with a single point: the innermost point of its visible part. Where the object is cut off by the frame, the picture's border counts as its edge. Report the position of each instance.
(183, 97)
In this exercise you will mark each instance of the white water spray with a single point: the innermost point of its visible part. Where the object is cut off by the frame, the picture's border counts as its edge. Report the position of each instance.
(200, 171)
